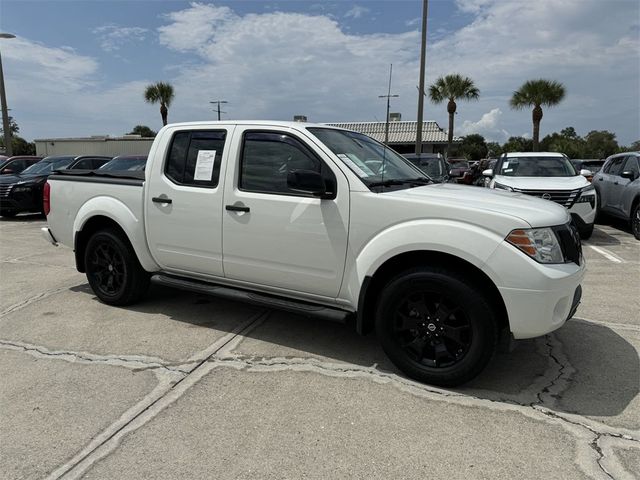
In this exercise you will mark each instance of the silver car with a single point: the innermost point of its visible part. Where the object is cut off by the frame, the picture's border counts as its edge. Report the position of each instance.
(618, 186)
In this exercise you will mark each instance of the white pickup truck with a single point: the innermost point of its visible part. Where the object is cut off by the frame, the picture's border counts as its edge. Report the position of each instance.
(326, 222)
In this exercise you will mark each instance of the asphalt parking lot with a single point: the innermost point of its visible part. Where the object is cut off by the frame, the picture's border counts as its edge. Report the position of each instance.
(187, 386)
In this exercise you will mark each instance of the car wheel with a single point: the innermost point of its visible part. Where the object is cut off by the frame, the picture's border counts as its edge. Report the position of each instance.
(585, 233)
(436, 326)
(635, 221)
(113, 270)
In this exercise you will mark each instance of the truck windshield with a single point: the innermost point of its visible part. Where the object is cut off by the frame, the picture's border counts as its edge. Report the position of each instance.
(376, 165)
(536, 167)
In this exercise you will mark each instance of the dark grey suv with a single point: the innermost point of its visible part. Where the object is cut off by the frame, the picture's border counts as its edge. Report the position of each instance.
(618, 187)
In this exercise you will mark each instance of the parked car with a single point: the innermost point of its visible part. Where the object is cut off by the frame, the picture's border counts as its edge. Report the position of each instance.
(16, 164)
(459, 170)
(618, 187)
(125, 163)
(588, 167)
(288, 215)
(23, 192)
(432, 164)
(550, 176)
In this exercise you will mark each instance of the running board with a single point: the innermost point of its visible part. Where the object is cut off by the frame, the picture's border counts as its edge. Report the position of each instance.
(261, 299)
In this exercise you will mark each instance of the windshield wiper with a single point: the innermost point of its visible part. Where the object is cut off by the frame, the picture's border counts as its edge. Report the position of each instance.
(401, 181)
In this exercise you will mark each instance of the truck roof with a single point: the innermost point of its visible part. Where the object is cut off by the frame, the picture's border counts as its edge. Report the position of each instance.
(534, 154)
(271, 123)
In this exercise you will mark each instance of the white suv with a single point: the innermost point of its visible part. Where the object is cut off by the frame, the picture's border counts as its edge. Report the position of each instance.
(550, 176)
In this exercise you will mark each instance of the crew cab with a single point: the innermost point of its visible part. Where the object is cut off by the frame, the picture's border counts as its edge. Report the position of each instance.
(325, 222)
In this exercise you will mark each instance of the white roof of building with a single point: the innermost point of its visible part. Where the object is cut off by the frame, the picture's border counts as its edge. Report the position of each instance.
(399, 132)
(535, 154)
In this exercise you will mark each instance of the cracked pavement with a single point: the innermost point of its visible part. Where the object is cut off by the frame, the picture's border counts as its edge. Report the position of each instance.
(187, 386)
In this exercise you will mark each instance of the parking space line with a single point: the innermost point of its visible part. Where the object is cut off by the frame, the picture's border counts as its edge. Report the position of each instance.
(607, 254)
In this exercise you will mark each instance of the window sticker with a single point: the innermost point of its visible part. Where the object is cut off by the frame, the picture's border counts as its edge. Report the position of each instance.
(505, 165)
(508, 170)
(354, 166)
(204, 165)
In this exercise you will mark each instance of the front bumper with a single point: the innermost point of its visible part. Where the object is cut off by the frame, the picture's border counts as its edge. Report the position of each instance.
(539, 298)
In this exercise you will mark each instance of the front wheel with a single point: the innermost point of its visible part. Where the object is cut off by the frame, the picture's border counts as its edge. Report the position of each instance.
(635, 221)
(435, 326)
(113, 270)
(585, 233)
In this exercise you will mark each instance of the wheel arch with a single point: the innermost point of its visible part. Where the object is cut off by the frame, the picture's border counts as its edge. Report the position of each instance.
(373, 284)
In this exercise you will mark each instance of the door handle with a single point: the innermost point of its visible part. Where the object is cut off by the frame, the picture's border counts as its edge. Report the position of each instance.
(237, 208)
(600, 179)
(161, 200)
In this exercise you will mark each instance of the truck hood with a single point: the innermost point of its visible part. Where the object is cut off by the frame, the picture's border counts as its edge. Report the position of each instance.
(543, 183)
(535, 211)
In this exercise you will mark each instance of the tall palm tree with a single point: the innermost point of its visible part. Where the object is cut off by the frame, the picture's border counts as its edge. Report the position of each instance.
(160, 92)
(535, 93)
(453, 87)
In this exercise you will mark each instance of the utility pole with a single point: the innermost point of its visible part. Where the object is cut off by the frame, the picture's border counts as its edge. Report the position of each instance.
(388, 97)
(6, 127)
(218, 109)
(421, 94)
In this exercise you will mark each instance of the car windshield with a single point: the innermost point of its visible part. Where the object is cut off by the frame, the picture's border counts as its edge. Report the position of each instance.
(375, 164)
(536, 167)
(125, 163)
(430, 166)
(47, 166)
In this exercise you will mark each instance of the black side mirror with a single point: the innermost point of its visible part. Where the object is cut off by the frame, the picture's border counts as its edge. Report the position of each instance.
(630, 174)
(307, 181)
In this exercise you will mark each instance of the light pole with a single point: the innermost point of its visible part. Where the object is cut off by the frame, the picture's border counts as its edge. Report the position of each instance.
(421, 94)
(219, 102)
(388, 96)
(3, 99)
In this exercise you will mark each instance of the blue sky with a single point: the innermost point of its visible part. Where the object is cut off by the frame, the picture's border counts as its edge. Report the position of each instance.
(79, 68)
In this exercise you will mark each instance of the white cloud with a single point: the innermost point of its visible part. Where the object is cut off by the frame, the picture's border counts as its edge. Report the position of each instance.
(113, 37)
(357, 11)
(487, 126)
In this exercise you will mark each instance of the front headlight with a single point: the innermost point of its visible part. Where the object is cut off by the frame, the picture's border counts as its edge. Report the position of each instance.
(499, 186)
(587, 195)
(541, 244)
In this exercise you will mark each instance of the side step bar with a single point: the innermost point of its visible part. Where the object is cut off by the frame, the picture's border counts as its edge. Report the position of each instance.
(261, 299)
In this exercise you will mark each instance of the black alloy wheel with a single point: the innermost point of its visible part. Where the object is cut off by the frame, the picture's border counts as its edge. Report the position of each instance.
(436, 325)
(113, 270)
(432, 329)
(635, 221)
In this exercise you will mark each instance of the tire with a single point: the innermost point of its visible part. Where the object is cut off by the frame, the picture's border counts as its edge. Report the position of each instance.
(585, 233)
(635, 221)
(113, 270)
(436, 326)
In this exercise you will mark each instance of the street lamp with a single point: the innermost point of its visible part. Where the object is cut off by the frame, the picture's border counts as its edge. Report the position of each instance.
(3, 99)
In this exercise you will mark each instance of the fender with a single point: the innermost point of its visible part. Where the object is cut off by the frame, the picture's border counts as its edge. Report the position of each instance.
(117, 211)
(465, 241)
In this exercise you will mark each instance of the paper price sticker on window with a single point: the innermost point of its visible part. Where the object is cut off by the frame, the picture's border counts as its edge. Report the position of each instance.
(359, 171)
(204, 165)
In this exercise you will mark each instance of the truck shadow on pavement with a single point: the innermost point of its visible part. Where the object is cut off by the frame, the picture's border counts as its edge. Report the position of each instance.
(583, 368)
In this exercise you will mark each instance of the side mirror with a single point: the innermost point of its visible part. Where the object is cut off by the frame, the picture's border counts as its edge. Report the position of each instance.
(307, 181)
(488, 172)
(630, 174)
(585, 173)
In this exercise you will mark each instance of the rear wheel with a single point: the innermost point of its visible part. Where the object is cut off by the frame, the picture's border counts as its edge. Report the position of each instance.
(113, 270)
(435, 326)
(635, 221)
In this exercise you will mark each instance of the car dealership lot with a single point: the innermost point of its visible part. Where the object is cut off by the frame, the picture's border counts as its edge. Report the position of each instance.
(187, 386)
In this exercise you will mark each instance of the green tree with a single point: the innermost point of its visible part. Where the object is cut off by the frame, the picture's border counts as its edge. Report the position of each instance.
(567, 142)
(19, 145)
(494, 149)
(13, 127)
(452, 87)
(600, 144)
(634, 147)
(143, 131)
(474, 147)
(518, 144)
(162, 93)
(536, 93)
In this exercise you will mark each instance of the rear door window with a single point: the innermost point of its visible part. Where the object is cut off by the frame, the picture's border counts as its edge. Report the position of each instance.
(615, 167)
(194, 157)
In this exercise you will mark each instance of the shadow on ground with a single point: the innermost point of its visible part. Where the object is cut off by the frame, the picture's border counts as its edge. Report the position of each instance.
(605, 382)
(24, 218)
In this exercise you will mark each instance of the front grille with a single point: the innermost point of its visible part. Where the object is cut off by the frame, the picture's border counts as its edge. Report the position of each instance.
(566, 198)
(4, 190)
(570, 243)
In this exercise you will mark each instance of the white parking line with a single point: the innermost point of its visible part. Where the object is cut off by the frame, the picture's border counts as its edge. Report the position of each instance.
(607, 254)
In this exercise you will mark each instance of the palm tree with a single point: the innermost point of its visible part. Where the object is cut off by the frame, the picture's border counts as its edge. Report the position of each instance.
(453, 87)
(160, 92)
(535, 93)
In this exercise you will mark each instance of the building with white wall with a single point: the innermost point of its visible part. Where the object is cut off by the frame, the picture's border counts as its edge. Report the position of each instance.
(96, 145)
